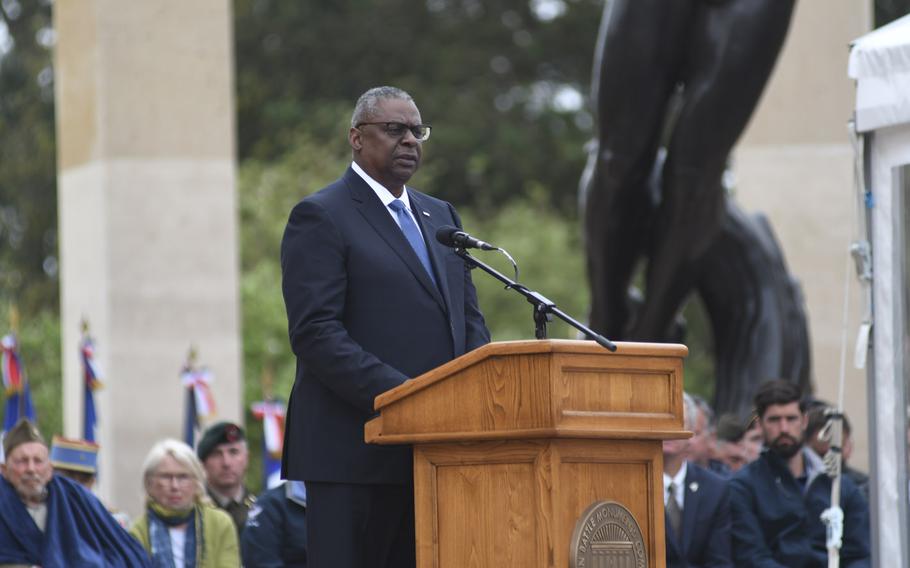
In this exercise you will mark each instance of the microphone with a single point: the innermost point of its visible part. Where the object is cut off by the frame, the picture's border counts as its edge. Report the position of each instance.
(454, 237)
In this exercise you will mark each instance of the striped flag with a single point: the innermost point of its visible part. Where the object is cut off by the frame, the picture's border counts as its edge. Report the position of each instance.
(200, 404)
(271, 413)
(15, 382)
(91, 382)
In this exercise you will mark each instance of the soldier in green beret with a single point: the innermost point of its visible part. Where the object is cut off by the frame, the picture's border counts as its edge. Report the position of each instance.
(225, 456)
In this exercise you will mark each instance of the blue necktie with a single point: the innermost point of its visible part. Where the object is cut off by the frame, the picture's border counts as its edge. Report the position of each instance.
(412, 233)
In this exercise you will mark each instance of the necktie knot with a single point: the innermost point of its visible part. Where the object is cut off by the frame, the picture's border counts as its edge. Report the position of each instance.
(397, 206)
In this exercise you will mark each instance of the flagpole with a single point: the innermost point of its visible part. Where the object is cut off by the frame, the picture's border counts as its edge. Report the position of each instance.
(267, 379)
(85, 394)
(189, 431)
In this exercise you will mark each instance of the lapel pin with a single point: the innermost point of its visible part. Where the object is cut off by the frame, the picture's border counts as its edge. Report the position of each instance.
(425, 213)
(693, 487)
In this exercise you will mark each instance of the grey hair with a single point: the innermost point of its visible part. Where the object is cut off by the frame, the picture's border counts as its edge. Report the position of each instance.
(703, 405)
(182, 454)
(367, 103)
(690, 411)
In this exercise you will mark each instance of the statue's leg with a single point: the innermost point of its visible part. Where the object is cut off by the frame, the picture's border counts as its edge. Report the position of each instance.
(732, 53)
(636, 69)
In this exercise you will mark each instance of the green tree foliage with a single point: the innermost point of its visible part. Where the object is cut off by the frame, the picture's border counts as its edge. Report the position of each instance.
(28, 202)
(547, 248)
(501, 82)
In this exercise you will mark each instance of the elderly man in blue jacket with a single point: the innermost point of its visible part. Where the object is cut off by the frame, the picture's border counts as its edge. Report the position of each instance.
(777, 500)
(51, 521)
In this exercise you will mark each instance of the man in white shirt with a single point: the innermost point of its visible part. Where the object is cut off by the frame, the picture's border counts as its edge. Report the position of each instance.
(372, 300)
(697, 506)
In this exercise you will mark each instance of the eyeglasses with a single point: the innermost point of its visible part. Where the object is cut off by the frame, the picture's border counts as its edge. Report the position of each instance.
(397, 129)
(169, 478)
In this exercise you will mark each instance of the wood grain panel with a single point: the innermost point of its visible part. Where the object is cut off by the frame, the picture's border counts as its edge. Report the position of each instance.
(629, 473)
(618, 393)
(491, 505)
(500, 393)
(485, 515)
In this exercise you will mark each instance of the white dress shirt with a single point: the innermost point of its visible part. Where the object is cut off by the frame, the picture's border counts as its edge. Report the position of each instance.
(386, 196)
(678, 481)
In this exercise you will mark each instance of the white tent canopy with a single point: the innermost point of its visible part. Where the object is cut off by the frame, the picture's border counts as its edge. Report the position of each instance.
(880, 64)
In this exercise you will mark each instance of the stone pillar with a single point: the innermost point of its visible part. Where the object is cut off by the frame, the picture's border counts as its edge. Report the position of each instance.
(795, 163)
(148, 221)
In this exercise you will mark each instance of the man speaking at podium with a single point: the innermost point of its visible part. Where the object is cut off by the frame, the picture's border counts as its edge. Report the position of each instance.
(372, 301)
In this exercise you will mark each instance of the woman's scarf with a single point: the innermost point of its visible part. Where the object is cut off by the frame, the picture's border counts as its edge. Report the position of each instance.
(160, 519)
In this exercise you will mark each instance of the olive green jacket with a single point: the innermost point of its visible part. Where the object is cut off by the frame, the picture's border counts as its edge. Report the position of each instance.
(220, 537)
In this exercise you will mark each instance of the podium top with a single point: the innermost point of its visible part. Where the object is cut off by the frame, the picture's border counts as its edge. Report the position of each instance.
(527, 347)
(539, 389)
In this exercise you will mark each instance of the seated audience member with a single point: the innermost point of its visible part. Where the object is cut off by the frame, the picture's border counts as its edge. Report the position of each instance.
(777, 500)
(697, 506)
(78, 460)
(275, 531)
(818, 418)
(180, 526)
(703, 443)
(699, 448)
(753, 440)
(730, 450)
(224, 456)
(50, 521)
(75, 459)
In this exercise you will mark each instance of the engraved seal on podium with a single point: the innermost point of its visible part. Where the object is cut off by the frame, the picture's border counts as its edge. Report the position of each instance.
(607, 536)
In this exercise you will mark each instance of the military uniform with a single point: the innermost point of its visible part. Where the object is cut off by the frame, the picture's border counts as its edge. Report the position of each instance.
(237, 509)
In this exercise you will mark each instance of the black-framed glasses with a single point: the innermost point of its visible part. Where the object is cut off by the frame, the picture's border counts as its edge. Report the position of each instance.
(397, 129)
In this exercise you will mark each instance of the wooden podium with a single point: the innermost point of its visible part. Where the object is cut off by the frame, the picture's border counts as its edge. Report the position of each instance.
(516, 443)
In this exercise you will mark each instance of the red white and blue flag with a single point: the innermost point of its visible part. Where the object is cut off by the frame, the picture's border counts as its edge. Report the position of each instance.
(91, 382)
(200, 404)
(271, 413)
(15, 383)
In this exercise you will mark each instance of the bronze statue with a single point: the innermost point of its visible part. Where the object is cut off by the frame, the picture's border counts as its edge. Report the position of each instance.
(675, 84)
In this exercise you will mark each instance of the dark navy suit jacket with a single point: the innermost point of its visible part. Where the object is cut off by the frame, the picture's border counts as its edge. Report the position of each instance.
(364, 317)
(776, 521)
(705, 539)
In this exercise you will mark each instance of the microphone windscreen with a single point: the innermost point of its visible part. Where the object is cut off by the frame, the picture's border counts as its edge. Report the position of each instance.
(446, 235)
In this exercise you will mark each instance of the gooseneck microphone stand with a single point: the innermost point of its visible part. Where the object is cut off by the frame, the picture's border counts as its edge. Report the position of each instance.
(544, 308)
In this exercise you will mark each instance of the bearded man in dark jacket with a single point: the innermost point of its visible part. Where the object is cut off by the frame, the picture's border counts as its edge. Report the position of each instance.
(778, 499)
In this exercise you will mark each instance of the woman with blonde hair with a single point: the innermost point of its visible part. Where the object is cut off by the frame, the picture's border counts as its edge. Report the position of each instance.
(180, 527)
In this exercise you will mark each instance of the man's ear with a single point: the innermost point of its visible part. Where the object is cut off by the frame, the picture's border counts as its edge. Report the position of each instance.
(355, 139)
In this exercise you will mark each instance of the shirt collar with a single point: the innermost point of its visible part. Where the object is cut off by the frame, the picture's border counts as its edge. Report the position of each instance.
(296, 492)
(225, 500)
(679, 479)
(384, 194)
(813, 463)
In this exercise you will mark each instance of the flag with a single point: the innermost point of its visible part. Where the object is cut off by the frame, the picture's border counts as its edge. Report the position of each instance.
(18, 395)
(271, 413)
(91, 382)
(199, 401)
